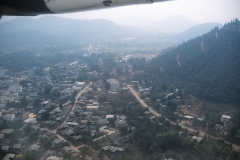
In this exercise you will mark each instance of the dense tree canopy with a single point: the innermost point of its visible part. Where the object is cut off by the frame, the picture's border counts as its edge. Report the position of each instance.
(208, 66)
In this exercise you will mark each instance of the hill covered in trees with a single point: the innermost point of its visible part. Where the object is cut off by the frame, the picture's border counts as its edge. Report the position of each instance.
(206, 66)
(195, 31)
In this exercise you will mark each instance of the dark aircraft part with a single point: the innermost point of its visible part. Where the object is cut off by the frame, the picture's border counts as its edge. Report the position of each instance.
(37, 7)
(23, 7)
(107, 3)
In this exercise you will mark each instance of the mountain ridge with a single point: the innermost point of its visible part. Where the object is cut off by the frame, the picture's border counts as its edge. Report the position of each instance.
(174, 24)
(61, 29)
(206, 66)
(196, 31)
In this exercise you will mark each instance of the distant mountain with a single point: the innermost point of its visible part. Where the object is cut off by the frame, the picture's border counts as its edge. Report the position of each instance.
(174, 24)
(195, 31)
(62, 29)
(26, 38)
(206, 66)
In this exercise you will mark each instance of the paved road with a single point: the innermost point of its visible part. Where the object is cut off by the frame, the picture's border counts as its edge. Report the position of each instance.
(201, 133)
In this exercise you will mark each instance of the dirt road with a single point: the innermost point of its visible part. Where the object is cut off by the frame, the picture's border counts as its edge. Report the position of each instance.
(31, 115)
(79, 94)
(74, 106)
(201, 133)
(76, 99)
(142, 102)
(202, 46)
(178, 60)
(109, 133)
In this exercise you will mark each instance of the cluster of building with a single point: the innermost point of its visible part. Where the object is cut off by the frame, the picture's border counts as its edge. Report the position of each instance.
(147, 57)
(67, 121)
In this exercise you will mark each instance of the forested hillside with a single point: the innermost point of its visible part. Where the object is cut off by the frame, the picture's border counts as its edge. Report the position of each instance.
(207, 66)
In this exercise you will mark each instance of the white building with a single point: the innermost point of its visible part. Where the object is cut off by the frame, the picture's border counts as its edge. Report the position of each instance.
(33, 94)
(16, 89)
(54, 158)
(109, 116)
(15, 96)
(188, 117)
(73, 64)
(198, 139)
(92, 107)
(28, 120)
(226, 118)
(79, 84)
(44, 103)
(114, 84)
(5, 99)
(9, 117)
(76, 88)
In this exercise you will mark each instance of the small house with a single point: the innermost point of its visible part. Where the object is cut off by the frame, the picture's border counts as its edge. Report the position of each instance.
(34, 147)
(198, 139)
(9, 117)
(226, 118)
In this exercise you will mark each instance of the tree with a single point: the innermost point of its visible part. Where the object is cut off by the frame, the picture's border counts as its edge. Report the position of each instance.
(45, 143)
(119, 70)
(111, 121)
(29, 156)
(47, 89)
(3, 125)
(123, 129)
(23, 83)
(37, 102)
(61, 106)
(33, 136)
(27, 129)
(157, 156)
(107, 86)
(232, 131)
(45, 116)
(24, 102)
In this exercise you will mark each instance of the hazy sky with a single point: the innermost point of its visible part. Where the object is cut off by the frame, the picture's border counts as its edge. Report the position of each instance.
(199, 10)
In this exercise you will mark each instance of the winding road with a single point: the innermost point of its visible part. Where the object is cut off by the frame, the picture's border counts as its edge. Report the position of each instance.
(201, 133)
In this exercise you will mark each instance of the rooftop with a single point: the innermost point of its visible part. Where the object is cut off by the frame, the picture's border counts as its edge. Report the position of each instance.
(112, 148)
(9, 116)
(8, 156)
(198, 139)
(34, 147)
(113, 81)
(188, 117)
(7, 131)
(226, 117)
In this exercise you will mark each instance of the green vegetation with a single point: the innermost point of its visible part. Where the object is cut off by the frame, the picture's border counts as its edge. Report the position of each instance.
(159, 139)
(159, 136)
(210, 72)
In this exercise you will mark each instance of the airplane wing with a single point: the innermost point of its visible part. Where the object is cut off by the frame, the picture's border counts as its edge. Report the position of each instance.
(37, 7)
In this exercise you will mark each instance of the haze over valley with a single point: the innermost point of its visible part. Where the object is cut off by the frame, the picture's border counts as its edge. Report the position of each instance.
(94, 89)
